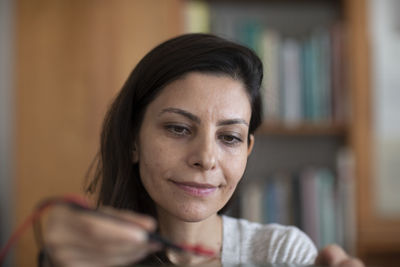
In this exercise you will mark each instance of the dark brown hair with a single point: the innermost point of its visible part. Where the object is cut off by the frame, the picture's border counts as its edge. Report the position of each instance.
(116, 179)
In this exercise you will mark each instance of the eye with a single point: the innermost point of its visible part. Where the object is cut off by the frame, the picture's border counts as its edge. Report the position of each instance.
(178, 130)
(230, 139)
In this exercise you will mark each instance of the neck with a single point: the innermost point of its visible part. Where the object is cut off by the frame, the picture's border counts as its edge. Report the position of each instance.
(207, 233)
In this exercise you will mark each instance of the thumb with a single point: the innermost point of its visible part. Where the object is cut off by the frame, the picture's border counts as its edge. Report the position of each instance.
(331, 255)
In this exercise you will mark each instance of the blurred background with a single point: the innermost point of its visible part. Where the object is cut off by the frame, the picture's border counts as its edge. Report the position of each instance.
(326, 157)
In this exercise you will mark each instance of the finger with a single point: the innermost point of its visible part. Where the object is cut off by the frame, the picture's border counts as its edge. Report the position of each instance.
(103, 229)
(80, 236)
(70, 256)
(91, 230)
(93, 235)
(352, 262)
(331, 255)
(146, 222)
(73, 251)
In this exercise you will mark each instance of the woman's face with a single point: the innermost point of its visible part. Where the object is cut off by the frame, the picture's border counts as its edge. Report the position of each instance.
(192, 147)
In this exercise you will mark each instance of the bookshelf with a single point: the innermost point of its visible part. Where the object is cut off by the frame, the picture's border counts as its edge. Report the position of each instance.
(305, 106)
(327, 129)
(341, 143)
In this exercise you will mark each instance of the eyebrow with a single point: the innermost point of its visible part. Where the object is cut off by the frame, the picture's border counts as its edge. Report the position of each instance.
(233, 121)
(196, 119)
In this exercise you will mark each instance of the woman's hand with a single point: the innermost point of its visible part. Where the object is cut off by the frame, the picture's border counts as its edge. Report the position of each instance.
(334, 255)
(76, 238)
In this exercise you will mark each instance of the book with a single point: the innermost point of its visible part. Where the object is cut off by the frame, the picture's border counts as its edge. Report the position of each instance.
(309, 204)
(325, 84)
(197, 17)
(251, 202)
(297, 214)
(284, 198)
(250, 34)
(346, 206)
(277, 199)
(326, 206)
(339, 97)
(270, 47)
(307, 94)
(291, 82)
(269, 201)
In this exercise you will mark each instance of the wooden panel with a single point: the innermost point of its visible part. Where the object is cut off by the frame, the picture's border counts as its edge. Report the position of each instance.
(359, 84)
(378, 239)
(72, 57)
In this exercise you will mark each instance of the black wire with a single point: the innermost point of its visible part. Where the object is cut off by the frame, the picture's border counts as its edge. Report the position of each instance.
(151, 236)
(44, 258)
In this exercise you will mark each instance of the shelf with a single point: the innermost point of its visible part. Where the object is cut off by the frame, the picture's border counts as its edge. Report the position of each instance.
(304, 129)
(276, 1)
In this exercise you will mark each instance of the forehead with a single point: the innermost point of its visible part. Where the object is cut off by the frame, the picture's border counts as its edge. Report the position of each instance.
(215, 92)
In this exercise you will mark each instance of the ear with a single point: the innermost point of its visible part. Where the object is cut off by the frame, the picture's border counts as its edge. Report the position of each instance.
(250, 144)
(135, 154)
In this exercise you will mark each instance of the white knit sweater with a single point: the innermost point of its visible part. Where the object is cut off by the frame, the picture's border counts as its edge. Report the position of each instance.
(249, 242)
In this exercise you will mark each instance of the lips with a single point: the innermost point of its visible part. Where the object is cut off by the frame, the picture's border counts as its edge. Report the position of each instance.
(196, 189)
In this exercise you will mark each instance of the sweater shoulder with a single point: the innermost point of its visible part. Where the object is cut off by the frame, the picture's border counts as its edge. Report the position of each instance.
(267, 243)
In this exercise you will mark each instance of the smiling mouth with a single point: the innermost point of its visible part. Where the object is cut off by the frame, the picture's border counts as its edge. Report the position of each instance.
(196, 189)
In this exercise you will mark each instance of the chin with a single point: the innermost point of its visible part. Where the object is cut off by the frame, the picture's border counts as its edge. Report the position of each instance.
(194, 214)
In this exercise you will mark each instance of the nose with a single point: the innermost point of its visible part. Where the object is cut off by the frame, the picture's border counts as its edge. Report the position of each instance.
(204, 153)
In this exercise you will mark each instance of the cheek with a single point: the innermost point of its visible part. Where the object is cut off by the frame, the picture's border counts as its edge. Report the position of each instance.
(155, 162)
(152, 171)
(234, 170)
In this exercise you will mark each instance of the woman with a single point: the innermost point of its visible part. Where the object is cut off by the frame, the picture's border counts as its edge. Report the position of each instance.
(174, 146)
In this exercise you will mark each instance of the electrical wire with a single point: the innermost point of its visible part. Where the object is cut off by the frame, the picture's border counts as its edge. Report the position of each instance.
(81, 204)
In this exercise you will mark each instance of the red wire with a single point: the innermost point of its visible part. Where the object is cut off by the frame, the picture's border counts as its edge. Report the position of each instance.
(199, 250)
(36, 215)
(17, 234)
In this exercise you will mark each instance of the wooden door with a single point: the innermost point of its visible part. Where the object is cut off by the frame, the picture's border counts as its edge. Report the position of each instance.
(72, 57)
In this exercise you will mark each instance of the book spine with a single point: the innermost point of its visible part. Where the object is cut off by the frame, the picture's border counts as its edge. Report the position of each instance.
(251, 202)
(327, 212)
(197, 16)
(345, 200)
(270, 47)
(291, 82)
(310, 223)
